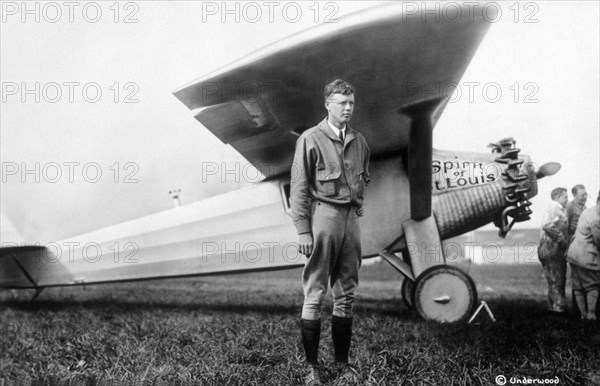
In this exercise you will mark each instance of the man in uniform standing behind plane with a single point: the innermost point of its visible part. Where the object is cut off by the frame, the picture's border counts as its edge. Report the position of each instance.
(329, 174)
(552, 248)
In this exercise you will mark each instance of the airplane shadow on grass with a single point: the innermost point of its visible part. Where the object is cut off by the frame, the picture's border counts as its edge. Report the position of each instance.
(150, 305)
(504, 310)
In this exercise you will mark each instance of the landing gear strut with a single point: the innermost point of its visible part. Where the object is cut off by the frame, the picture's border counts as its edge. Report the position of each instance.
(439, 292)
(407, 298)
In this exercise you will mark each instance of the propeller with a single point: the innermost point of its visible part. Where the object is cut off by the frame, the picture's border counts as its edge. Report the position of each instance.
(548, 169)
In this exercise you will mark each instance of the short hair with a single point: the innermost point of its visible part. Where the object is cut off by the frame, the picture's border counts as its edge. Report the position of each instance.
(577, 188)
(557, 192)
(338, 86)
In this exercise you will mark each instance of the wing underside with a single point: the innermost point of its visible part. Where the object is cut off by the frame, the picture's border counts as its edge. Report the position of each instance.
(261, 103)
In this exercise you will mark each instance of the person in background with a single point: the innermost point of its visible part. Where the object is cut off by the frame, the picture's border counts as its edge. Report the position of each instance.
(583, 256)
(575, 208)
(552, 248)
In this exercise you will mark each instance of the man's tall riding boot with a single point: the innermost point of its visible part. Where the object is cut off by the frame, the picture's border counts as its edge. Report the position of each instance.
(311, 334)
(341, 332)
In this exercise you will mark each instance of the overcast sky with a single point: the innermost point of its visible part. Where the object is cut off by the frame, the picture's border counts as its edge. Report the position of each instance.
(542, 56)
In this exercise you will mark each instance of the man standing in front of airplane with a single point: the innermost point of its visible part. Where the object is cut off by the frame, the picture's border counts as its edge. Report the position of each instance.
(329, 175)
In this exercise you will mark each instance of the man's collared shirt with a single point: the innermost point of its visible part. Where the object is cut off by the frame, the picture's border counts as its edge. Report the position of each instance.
(336, 130)
(554, 225)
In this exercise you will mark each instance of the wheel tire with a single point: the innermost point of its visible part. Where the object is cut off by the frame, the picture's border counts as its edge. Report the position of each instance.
(444, 294)
(407, 286)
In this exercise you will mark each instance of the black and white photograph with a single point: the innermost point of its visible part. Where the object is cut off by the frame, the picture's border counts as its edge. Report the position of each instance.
(299, 193)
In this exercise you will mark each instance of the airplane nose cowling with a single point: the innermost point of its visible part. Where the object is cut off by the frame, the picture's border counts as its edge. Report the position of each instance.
(520, 184)
(504, 201)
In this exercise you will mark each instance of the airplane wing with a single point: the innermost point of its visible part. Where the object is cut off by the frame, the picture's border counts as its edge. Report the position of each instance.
(261, 103)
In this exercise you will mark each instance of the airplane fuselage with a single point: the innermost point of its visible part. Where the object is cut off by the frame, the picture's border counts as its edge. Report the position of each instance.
(251, 228)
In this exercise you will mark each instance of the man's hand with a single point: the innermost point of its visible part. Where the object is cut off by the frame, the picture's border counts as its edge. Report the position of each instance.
(360, 211)
(553, 233)
(305, 244)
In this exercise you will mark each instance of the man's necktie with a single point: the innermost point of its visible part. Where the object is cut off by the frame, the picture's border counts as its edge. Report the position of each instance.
(342, 136)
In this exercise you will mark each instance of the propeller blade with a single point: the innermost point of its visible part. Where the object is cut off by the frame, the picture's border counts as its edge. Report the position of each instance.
(548, 169)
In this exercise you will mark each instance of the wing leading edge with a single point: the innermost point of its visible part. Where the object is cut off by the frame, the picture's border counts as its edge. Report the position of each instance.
(259, 104)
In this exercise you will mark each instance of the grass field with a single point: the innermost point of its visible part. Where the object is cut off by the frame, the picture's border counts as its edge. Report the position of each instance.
(243, 330)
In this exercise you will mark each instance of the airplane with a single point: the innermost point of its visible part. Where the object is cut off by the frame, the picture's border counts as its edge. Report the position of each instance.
(259, 105)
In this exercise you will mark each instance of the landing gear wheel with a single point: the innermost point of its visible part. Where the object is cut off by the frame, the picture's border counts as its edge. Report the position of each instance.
(407, 286)
(444, 294)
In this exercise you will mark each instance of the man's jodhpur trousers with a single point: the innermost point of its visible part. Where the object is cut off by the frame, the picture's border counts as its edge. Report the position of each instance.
(336, 257)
